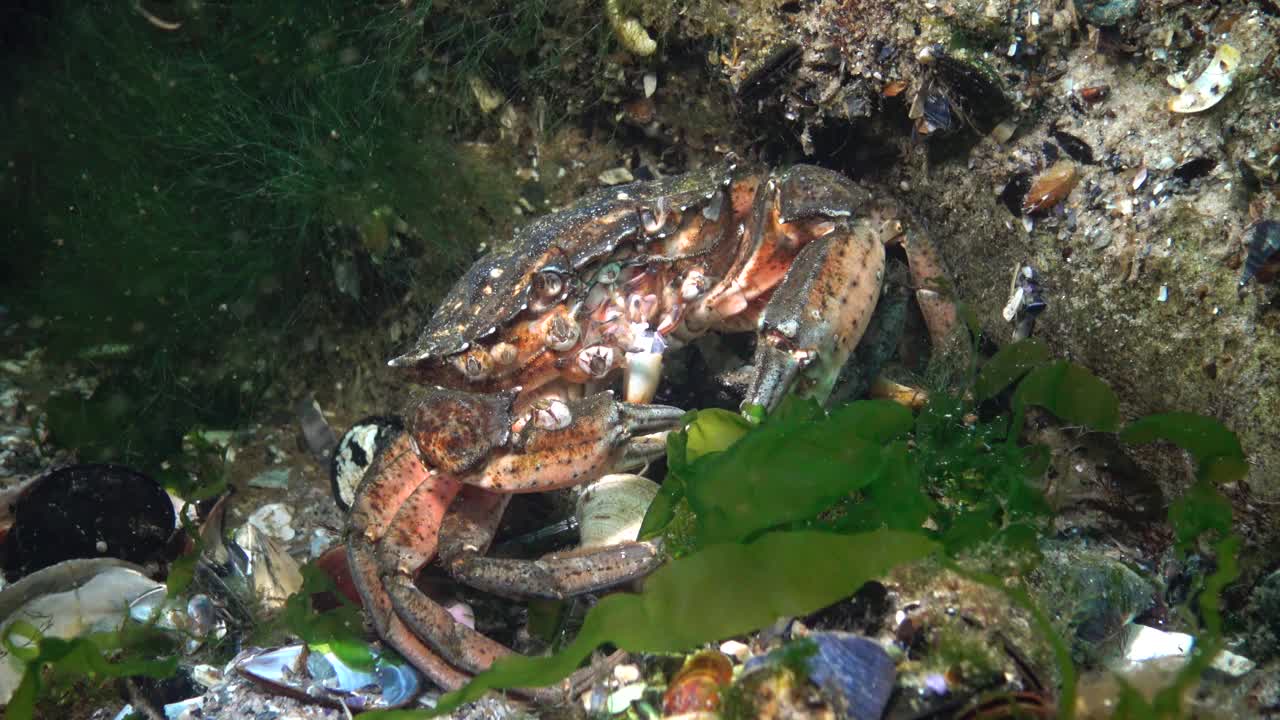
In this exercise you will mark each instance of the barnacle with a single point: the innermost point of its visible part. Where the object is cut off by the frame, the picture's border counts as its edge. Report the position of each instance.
(629, 30)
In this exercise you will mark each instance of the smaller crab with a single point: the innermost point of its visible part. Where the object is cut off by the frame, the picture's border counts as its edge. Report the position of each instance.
(520, 354)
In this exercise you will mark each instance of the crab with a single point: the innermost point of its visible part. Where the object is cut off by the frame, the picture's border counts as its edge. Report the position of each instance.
(520, 359)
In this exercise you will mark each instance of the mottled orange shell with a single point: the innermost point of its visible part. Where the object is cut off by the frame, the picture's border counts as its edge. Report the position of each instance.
(1051, 188)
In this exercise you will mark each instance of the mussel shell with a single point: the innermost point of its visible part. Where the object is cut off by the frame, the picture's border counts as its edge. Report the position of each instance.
(355, 452)
(320, 676)
(89, 511)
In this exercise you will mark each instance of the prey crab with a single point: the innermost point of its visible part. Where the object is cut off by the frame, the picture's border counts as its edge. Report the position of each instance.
(520, 356)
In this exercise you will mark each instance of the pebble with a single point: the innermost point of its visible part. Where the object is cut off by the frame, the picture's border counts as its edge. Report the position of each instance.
(321, 540)
(616, 176)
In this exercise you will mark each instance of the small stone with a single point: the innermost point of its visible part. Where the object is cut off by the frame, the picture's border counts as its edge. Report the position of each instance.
(616, 176)
(206, 675)
(736, 650)
(273, 479)
(321, 540)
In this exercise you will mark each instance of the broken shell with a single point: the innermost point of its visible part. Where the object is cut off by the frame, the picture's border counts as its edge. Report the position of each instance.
(271, 572)
(321, 676)
(609, 511)
(696, 688)
(85, 511)
(855, 674)
(1051, 188)
(66, 600)
(198, 619)
(354, 453)
(1263, 239)
(1211, 86)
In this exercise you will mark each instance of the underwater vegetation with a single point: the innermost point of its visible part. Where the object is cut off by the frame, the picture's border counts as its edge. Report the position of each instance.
(806, 505)
(178, 186)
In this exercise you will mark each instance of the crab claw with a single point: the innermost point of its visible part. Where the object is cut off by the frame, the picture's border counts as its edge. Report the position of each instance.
(817, 315)
(595, 434)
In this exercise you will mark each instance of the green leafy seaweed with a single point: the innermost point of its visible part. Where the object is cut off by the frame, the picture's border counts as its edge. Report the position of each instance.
(1009, 364)
(1072, 393)
(341, 629)
(136, 650)
(701, 598)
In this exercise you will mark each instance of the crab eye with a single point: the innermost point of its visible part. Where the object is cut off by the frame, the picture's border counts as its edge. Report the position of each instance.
(548, 283)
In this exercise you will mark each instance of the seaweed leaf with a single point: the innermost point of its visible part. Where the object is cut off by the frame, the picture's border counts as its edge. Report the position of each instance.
(1219, 457)
(341, 628)
(1069, 391)
(721, 591)
(794, 466)
(79, 657)
(1008, 364)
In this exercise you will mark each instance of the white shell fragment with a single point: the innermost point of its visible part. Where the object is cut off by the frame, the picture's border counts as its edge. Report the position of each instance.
(67, 600)
(273, 519)
(650, 84)
(609, 511)
(1211, 86)
(1144, 644)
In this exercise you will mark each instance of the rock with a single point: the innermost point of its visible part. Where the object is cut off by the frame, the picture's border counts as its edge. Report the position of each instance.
(1109, 12)
(1093, 595)
(616, 176)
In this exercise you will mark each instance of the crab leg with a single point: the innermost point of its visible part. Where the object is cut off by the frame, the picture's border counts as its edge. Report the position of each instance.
(469, 529)
(560, 446)
(396, 474)
(928, 275)
(818, 314)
